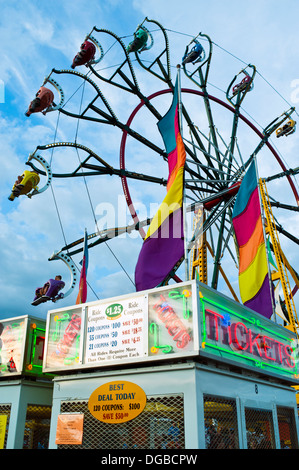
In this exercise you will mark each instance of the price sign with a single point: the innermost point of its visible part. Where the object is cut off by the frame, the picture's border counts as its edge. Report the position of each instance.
(117, 402)
(171, 321)
(12, 341)
(116, 331)
(64, 338)
(69, 429)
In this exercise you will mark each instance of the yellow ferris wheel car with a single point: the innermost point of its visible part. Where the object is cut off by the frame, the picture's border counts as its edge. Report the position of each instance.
(287, 129)
(24, 184)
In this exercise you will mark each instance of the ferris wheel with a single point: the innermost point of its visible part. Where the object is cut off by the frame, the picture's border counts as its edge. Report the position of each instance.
(128, 99)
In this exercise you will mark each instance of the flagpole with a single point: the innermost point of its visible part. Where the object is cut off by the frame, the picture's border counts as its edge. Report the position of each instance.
(264, 234)
(184, 194)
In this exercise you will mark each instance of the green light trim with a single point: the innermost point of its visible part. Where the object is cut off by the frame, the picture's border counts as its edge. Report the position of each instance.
(153, 329)
(33, 350)
(176, 295)
(68, 360)
(260, 364)
(65, 317)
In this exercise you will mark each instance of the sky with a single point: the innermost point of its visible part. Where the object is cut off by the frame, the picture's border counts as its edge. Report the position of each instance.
(37, 37)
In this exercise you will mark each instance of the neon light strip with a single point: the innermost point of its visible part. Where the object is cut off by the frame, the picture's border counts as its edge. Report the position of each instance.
(34, 347)
(260, 364)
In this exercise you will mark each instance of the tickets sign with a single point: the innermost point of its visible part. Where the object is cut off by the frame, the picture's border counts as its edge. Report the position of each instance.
(232, 333)
(117, 402)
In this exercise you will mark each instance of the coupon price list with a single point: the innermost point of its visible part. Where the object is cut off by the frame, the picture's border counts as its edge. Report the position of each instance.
(119, 339)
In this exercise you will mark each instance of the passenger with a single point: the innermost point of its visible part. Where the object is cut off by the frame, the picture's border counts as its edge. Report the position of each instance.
(86, 54)
(24, 184)
(42, 101)
(55, 285)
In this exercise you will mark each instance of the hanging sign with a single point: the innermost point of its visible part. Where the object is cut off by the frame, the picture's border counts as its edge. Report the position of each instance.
(69, 429)
(117, 402)
(230, 332)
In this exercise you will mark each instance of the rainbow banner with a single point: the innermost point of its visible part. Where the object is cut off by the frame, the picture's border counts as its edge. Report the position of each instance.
(163, 245)
(82, 294)
(254, 281)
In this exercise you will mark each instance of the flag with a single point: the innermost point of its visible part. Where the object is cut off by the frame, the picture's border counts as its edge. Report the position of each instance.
(255, 288)
(163, 245)
(82, 294)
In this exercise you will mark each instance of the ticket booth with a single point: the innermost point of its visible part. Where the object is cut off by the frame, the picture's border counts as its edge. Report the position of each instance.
(25, 390)
(176, 367)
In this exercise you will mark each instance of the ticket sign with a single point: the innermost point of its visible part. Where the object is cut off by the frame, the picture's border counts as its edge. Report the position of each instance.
(232, 333)
(12, 343)
(117, 402)
(64, 339)
(171, 322)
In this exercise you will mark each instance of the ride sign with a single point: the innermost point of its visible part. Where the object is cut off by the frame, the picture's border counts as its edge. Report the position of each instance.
(117, 402)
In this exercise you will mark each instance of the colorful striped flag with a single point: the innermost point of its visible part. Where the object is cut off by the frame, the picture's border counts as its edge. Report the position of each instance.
(82, 294)
(163, 245)
(255, 288)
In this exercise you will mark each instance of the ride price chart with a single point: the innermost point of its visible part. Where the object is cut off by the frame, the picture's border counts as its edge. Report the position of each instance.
(117, 331)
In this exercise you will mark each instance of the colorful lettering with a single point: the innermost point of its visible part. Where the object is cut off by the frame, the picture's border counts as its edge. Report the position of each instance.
(245, 339)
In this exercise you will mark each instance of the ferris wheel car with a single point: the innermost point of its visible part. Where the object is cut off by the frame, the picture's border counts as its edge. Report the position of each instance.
(24, 184)
(212, 176)
(49, 291)
(242, 85)
(139, 41)
(85, 55)
(195, 55)
(287, 129)
(43, 100)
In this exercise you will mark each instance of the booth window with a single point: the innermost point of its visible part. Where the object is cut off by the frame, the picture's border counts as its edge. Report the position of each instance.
(287, 428)
(221, 428)
(159, 426)
(259, 429)
(37, 427)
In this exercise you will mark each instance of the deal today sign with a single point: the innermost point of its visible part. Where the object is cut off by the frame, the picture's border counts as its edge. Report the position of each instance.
(117, 402)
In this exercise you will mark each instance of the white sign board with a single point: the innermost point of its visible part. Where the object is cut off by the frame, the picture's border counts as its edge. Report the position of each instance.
(151, 325)
(116, 330)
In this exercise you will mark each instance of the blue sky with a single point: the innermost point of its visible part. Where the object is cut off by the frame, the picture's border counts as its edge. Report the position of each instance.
(39, 36)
